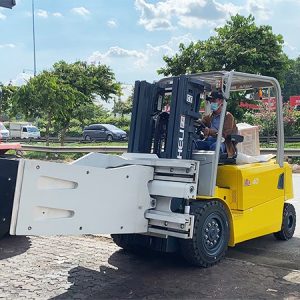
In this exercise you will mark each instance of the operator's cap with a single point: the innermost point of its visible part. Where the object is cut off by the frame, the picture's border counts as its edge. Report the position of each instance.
(216, 95)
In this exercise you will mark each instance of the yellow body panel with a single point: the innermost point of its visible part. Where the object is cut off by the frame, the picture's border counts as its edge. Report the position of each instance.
(254, 196)
(252, 184)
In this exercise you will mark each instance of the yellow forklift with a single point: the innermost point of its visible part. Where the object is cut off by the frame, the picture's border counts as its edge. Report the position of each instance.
(163, 194)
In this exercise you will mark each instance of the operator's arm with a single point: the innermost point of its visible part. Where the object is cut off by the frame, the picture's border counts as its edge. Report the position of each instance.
(207, 130)
(229, 126)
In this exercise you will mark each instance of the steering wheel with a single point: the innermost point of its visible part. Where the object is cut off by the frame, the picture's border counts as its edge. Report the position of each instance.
(199, 126)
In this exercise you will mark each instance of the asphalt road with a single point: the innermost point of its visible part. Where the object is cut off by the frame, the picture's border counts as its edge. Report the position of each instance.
(92, 267)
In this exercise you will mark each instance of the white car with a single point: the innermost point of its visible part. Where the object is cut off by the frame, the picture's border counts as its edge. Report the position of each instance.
(4, 133)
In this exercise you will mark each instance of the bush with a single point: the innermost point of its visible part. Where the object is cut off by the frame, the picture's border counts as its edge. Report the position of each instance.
(266, 120)
(121, 122)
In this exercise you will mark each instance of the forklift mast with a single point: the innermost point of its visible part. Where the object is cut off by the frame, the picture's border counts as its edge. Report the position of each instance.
(168, 133)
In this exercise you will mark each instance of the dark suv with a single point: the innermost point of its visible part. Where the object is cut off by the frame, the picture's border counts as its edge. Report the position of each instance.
(106, 132)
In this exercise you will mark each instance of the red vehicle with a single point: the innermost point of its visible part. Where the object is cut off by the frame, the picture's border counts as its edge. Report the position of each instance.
(270, 103)
(295, 102)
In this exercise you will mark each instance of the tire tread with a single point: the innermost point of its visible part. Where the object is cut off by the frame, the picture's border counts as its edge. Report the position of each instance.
(189, 248)
(282, 235)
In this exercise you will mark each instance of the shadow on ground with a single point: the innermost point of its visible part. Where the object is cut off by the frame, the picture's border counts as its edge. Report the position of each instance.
(11, 246)
(261, 268)
(269, 251)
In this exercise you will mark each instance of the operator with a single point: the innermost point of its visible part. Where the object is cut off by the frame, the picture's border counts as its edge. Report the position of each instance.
(212, 124)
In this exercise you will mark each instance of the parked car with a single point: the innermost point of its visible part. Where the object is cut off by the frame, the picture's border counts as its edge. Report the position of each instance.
(4, 133)
(106, 132)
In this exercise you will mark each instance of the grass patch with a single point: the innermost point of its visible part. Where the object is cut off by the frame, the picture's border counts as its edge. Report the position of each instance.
(65, 157)
(286, 145)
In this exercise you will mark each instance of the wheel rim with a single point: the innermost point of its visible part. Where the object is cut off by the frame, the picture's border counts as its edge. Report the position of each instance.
(213, 233)
(87, 138)
(290, 222)
(109, 138)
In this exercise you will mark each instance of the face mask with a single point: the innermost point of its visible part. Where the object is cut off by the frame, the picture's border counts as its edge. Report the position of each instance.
(214, 106)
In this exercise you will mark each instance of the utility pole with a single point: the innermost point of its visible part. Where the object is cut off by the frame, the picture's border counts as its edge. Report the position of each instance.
(33, 37)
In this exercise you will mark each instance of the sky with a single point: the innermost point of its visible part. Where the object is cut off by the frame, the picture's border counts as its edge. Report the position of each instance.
(130, 36)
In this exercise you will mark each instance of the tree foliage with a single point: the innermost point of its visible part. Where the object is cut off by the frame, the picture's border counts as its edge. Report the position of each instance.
(291, 84)
(239, 45)
(122, 107)
(64, 93)
(6, 95)
(92, 80)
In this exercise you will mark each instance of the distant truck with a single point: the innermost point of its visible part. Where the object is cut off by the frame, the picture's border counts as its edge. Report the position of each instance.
(23, 130)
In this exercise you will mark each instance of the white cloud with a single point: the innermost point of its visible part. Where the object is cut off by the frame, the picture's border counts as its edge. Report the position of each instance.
(156, 24)
(7, 46)
(140, 59)
(117, 52)
(2, 16)
(262, 9)
(81, 11)
(153, 16)
(42, 13)
(290, 47)
(112, 23)
(57, 14)
(189, 13)
(229, 8)
(170, 48)
(20, 79)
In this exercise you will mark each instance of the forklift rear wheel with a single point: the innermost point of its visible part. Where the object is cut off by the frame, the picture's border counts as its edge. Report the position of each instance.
(288, 223)
(210, 237)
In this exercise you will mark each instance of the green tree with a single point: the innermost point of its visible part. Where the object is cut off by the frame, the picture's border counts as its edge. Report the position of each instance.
(122, 107)
(42, 97)
(92, 80)
(239, 45)
(60, 95)
(70, 100)
(90, 113)
(291, 84)
(6, 95)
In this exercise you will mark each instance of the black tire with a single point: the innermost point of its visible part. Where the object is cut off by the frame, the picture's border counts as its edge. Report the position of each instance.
(87, 138)
(210, 237)
(288, 223)
(109, 138)
(4, 234)
(126, 242)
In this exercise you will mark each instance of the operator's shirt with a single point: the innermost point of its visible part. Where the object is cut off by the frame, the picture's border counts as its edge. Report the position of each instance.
(215, 122)
(229, 127)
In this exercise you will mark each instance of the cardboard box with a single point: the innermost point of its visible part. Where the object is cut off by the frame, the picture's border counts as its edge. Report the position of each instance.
(250, 145)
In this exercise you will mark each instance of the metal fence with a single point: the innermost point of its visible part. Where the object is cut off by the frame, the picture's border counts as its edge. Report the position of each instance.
(83, 149)
(122, 149)
(264, 139)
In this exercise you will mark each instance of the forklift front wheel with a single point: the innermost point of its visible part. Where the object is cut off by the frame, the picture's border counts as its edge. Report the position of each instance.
(210, 237)
(288, 223)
